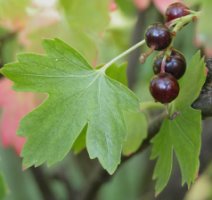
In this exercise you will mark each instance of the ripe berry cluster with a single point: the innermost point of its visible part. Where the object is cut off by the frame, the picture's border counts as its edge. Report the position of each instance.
(170, 65)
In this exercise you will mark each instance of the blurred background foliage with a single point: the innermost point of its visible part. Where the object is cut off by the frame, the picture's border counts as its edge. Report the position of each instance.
(100, 30)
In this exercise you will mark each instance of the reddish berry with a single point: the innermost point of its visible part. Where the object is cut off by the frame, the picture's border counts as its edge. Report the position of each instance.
(175, 64)
(176, 10)
(158, 36)
(164, 88)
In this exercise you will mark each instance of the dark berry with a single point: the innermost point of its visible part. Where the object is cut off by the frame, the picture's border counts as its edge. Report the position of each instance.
(158, 36)
(176, 10)
(175, 64)
(164, 88)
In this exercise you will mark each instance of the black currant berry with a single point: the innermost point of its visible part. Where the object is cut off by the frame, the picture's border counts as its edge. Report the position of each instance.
(164, 88)
(175, 64)
(158, 36)
(176, 10)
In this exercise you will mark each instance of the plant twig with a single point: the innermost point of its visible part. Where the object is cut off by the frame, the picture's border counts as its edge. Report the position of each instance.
(133, 60)
(204, 102)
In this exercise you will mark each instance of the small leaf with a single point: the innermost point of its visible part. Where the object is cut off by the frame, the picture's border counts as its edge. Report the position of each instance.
(78, 96)
(181, 135)
(136, 131)
(191, 83)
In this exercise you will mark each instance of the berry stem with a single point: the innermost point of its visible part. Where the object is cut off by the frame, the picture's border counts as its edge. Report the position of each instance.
(139, 44)
(178, 25)
(180, 22)
(145, 55)
(162, 69)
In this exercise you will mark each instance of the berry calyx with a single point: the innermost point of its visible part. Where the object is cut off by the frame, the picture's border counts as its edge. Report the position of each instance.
(175, 64)
(158, 36)
(164, 88)
(176, 10)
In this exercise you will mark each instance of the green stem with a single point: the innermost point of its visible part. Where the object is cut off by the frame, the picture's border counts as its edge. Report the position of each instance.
(180, 22)
(177, 25)
(139, 44)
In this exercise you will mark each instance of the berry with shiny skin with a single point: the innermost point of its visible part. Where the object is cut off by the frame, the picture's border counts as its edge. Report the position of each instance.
(176, 10)
(158, 36)
(164, 88)
(175, 64)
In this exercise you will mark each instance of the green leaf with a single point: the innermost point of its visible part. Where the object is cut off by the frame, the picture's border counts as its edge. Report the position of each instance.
(136, 131)
(118, 72)
(191, 83)
(181, 135)
(78, 96)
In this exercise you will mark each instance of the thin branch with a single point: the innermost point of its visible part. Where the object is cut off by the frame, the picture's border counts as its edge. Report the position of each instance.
(8, 36)
(204, 102)
(133, 60)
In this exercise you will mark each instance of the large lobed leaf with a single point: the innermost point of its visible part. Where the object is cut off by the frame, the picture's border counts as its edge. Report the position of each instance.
(136, 122)
(181, 135)
(79, 96)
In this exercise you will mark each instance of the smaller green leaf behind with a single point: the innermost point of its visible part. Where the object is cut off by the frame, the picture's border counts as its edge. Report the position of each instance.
(118, 72)
(136, 131)
(181, 135)
(191, 83)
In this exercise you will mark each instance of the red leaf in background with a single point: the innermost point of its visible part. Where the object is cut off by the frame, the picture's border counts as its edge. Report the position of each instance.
(14, 106)
(112, 6)
(142, 4)
(162, 5)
